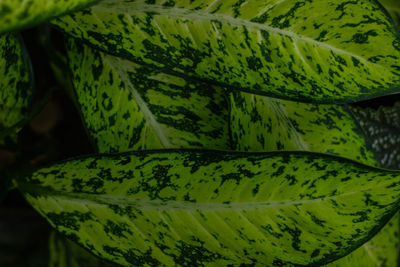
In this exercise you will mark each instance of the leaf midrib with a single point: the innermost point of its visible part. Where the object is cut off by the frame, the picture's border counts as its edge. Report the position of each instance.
(158, 204)
(134, 7)
(116, 64)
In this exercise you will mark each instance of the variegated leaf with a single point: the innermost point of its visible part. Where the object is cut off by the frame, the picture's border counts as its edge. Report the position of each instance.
(15, 81)
(19, 14)
(127, 106)
(393, 6)
(192, 207)
(65, 253)
(320, 51)
(260, 123)
(382, 250)
(382, 128)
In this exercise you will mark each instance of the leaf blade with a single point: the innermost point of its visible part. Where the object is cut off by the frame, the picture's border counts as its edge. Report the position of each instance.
(265, 124)
(127, 106)
(215, 190)
(235, 46)
(16, 83)
(20, 14)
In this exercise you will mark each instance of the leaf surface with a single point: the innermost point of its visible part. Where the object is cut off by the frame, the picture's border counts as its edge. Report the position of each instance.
(260, 123)
(320, 51)
(65, 253)
(15, 81)
(393, 6)
(381, 250)
(19, 14)
(127, 106)
(191, 207)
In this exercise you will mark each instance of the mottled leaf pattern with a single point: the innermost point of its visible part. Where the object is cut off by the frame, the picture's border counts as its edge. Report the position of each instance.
(382, 127)
(18, 14)
(393, 6)
(130, 107)
(262, 123)
(15, 81)
(65, 253)
(381, 250)
(191, 207)
(320, 50)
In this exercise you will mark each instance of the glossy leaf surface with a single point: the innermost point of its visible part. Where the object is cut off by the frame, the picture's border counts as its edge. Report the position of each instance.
(19, 14)
(382, 128)
(320, 51)
(127, 106)
(15, 81)
(191, 207)
(262, 123)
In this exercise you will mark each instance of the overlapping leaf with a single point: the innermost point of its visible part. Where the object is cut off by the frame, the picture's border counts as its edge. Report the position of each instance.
(191, 207)
(321, 51)
(393, 6)
(261, 123)
(18, 14)
(127, 106)
(15, 81)
(382, 250)
(65, 253)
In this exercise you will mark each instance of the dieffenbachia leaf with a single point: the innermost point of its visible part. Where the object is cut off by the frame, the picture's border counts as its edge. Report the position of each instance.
(15, 81)
(260, 123)
(320, 51)
(192, 207)
(393, 6)
(127, 106)
(381, 250)
(65, 253)
(19, 14)
(382, 127)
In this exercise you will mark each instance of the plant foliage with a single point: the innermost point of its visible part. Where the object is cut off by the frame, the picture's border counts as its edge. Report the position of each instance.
(222, 129)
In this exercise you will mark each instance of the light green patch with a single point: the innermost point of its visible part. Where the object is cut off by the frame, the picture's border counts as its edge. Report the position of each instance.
(262, 123)
(326, 51)
(15, 81)
(20, 14)
(127, 106)
(192, 208)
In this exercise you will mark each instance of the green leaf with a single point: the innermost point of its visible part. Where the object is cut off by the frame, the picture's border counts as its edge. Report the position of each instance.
(393, 6)
(19, 14)
(15, 81)
(260, 123)
(382, 128)
(65, 253)
(382, 250)
(192, 207)
(127, 106)
(320, 51)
